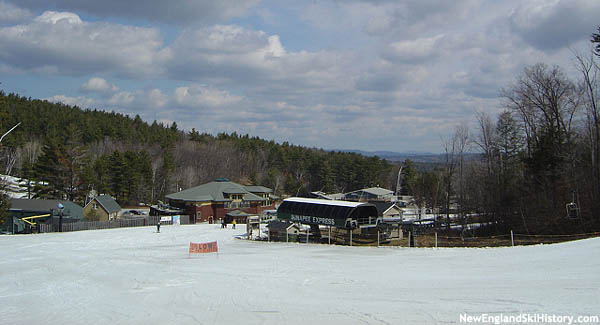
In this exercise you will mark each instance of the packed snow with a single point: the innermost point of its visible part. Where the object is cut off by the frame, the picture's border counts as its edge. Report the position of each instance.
(139, 276)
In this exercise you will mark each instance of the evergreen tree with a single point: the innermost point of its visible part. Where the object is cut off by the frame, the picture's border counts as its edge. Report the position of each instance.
(118, 176)
(4, 204)
(47, 174)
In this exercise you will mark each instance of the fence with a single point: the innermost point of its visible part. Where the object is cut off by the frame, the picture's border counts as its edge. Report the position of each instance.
(283, 237)
(440, 240)
(116, 223)
(393, 236)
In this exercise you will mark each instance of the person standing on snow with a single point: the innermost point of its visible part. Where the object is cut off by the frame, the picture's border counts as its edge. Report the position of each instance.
(233, 223)
(158, 226)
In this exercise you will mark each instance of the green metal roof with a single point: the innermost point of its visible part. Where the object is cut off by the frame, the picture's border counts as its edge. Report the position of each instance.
(253, 197)
(28, 206)
(258, 189)
(108, 203)
(214, 191)
(235, 190)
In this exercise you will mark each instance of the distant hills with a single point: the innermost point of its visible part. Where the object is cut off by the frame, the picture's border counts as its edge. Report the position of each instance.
(419, 157)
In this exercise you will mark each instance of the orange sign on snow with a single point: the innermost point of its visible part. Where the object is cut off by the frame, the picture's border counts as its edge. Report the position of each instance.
(204, 247)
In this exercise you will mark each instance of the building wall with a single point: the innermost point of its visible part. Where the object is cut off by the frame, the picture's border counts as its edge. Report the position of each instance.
(217, 211)
(100, 211)
(197, 211)
(393, 212)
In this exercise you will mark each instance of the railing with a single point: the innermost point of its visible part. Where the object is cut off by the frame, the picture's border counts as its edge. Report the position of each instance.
(366, 220)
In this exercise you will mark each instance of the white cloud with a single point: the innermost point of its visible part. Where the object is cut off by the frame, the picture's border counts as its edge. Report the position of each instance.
(122, 99)
(53, 17)
(333, 77)
(173, 11)
(231, 55)
(228, 43)
(157, 99)
(181, 99)
(10, 14)
(63, 42)
(551, 25)
(98, 85)
(80, 101)
(416, 50)
(200, 96)
(138, 100)
(403, 19)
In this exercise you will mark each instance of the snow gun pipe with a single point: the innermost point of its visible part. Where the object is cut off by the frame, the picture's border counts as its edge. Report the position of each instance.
(26, 219)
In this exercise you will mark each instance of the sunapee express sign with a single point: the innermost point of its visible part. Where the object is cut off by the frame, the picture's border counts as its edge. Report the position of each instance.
(312, 220)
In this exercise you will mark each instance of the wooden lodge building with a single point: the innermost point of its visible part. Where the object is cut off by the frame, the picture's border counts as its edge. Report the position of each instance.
(104, 207)
(213, 201)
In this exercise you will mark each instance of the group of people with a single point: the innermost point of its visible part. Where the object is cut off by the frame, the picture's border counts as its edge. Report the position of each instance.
(224, 224)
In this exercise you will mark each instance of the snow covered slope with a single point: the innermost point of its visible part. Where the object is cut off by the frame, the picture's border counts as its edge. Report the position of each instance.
(137, 276)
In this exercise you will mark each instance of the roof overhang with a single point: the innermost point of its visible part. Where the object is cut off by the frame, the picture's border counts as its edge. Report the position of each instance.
(326, 202)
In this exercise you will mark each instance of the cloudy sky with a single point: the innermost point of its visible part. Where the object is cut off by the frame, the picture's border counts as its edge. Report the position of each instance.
(336, 74)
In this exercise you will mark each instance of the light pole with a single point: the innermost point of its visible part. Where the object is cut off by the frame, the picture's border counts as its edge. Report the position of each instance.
(7, 132)
(399, 183)
(60, 216)
(2, 137)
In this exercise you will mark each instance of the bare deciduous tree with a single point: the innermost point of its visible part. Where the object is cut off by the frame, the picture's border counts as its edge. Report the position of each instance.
(546, 101)
(590, 87)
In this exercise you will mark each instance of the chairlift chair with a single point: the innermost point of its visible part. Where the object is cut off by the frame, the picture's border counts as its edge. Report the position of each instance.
(572, 210)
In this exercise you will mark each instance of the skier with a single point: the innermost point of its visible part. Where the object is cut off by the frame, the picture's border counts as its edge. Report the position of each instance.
(222, 223)
(158, 226)
(233, 223)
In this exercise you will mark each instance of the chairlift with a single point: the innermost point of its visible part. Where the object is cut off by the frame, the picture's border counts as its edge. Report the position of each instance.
(572, 209)
(467, 233)
(351, 224)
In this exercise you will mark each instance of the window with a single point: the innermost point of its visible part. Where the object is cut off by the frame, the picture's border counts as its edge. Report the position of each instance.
(236, 204)
(95, 206)
(236, 197)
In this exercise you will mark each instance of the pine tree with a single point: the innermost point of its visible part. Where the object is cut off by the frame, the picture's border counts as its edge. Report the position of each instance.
(49, 183)
(4, 204)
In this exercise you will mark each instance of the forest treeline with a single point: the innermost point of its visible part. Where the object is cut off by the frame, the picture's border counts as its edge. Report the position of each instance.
(67, 152)
(537, 172)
